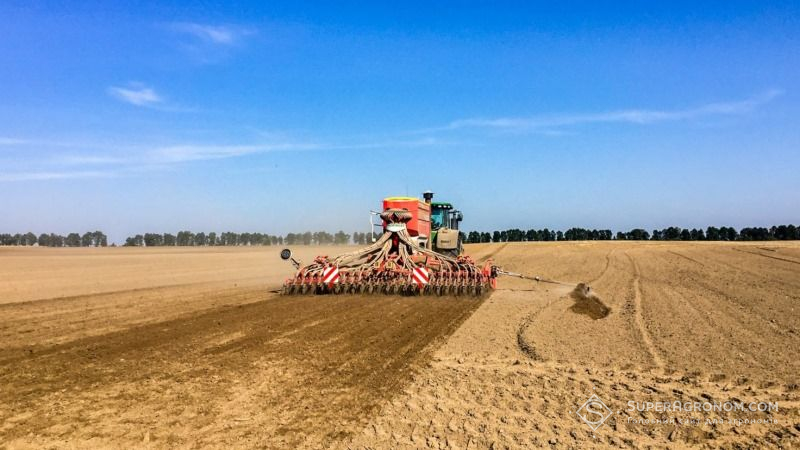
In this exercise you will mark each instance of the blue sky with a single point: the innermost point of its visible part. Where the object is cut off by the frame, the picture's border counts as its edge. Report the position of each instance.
(284, 117)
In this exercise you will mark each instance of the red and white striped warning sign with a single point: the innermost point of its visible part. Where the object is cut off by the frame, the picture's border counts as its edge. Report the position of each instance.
(420, 276)
(330, 275)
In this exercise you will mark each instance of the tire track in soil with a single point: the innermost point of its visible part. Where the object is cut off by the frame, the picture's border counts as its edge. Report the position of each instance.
(526, 347)
(709, 323)
(637, 315)
(745, 306)
(685, 257)
(720, 260)
(492, 253)
(793, 261)
(605, 269)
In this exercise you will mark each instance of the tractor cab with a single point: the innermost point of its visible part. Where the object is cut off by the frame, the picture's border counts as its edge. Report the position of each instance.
(445, 237)
(444, 216)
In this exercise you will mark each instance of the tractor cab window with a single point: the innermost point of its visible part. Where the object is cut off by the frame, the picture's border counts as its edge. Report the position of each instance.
(439, 218)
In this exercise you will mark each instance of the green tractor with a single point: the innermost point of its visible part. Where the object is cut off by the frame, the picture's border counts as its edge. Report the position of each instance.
(445, 237)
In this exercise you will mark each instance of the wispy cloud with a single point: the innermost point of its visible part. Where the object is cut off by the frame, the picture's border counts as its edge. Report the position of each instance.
(136, 94)
(12, 141)
(215, 34)
(186, 153)
(137, 159)
(546, 123)
(54, 175)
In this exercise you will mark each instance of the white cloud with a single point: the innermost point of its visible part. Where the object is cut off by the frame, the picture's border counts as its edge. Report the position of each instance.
(174, 154)
(632, 116)
(136, 94)
(184, 153)
(13, 141)
(140, 158)
(44, 176)
(216, 34)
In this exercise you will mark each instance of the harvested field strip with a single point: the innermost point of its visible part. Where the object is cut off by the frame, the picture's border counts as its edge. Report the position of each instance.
(324, 387)
(63, 319)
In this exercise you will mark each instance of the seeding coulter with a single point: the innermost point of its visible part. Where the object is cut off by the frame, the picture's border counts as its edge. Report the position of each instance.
(419, 253)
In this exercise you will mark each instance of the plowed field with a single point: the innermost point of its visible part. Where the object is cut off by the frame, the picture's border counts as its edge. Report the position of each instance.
(191, 348)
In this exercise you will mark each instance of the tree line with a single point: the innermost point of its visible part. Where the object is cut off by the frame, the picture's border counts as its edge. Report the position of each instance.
(88, 239)
(775, 233)
(188, 238)
(201, 239)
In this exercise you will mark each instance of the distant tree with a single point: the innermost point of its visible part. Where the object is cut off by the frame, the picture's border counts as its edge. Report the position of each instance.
(44, 240)
(29, 238)
(672, 233)
(786, 232)
(153, 239)
(637, 234)
(341, 238)
(728, 234)
(168, 240)
(697, 235)
(543, 235)
(56, 240)
(73, 240)
(755, 234)
(184, 238)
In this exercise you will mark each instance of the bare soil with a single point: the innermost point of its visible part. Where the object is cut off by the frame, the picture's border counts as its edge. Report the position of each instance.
(687, 322)
(191, 348)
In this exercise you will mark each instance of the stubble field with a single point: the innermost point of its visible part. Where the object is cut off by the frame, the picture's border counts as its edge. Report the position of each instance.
(192, 348)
